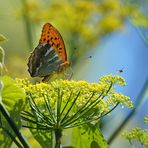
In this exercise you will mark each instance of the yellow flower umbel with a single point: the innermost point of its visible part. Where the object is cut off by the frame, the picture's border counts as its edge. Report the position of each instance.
(146, 119)
(72, 103)
(64, 104)
(138, 134)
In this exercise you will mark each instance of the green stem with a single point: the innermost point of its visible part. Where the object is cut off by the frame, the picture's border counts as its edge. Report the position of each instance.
(27, 23)
(12, 137)
(130, 115)
(13, 125)
(58, 135)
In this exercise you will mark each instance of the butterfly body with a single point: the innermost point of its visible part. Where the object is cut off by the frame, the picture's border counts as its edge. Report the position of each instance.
(50, 54)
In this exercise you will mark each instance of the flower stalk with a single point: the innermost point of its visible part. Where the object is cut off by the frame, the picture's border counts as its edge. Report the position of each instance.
(13, 125)
(58, 135)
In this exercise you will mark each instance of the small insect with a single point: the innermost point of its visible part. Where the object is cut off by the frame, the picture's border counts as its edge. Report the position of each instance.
(90, 57)
(120, 70)
(50, 54)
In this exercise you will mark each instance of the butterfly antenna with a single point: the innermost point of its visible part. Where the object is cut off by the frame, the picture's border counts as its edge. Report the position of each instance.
(71, 75)
(72, 55)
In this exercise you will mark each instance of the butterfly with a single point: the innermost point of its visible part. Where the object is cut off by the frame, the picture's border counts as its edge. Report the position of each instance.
(50, 54)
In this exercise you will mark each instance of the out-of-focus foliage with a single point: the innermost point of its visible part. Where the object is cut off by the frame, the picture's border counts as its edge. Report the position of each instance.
(82, 23)
(146, 119)
(2, 38)
(13, 98)
(2, 53)
(137, 11)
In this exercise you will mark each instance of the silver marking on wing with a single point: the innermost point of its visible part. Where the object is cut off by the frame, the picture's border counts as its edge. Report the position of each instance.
(48, 51)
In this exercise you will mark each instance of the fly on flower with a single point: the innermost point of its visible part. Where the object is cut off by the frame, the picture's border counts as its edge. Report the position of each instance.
(50, 54)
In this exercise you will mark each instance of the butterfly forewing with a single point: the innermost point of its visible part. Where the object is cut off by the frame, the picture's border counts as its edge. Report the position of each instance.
(51, 36)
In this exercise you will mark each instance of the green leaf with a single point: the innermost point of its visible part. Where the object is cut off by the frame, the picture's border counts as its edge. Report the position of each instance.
(13, 99)
(11, 93)
(2, 56)
(43, 137)
(90, 135)
(2, 38)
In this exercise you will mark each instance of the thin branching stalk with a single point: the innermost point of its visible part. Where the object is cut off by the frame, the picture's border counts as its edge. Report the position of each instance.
(38, 128)
(59, 102)
(34, 122)
(49, 109)
(37, 111)
(110, 110)
(81, 109)
(68, 100)
(89, 120)
(86, 109)
(70, 107)
(82, 113)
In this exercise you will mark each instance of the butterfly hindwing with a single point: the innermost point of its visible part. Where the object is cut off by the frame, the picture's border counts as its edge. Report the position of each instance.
(43, 61)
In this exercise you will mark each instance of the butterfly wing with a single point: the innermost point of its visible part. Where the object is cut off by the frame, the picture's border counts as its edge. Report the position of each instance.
(51, 36)
(50, 54)
(43, 61)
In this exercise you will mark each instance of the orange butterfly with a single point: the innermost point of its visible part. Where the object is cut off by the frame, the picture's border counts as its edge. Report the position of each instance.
(50, 54)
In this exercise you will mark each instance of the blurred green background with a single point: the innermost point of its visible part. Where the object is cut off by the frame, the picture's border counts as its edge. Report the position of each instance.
(101, 37)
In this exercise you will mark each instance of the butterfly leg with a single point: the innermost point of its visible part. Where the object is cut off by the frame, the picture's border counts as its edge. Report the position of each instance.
(63, 66)
(46, 78)
(68, 73)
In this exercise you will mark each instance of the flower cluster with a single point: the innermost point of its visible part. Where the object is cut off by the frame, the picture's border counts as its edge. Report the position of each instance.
(146, 119)
(40, 90)
(84, 101)
(138, 134)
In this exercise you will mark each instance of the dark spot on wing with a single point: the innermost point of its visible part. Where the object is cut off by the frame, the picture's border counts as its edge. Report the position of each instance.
(58, 45)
